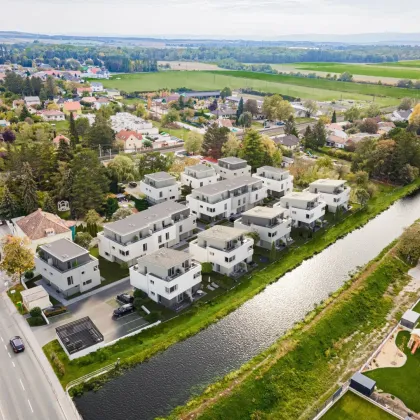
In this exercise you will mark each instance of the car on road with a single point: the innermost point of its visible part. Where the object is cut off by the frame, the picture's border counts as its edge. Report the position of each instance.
(126, 309)
(17, 344)
(125, 298)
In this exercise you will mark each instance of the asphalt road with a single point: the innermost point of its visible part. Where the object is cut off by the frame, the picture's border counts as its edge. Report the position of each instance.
(24, 391)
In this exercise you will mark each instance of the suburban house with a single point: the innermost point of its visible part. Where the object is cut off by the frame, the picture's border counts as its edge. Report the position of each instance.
(163, 225)
(82, 90)
(226, 248)
(334, 192)
(277, 181)
(273, 225)
(112, 93)
(35, 297)
(289, 141)
(287, 161)
(306, 208)
(126, 121)
(32, 100)
(132, 140)
(197, 176)
(72, 107)
(67, 267)
(56, 140)
(41, 227)
(17, 103)
(336, 141)
(222, 122)
(401, 115)
(224, 112)
(100, 102)
(52, 115)
(97, 87)
(169, 277)
(232, 167)
(226, 198)
(86, 100)
(159, 187)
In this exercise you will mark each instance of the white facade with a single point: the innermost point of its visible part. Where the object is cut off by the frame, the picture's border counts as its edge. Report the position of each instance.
(226, 198)
(97, 87)
(277, 181)
(163, 225)
(126, 121)
(273, 225)
(232, 167)
(67, 267)
(334, 192)
(226, 248)
(305, 208)
(53, 115)
(160, 187)
(168, 277)
(35, 297)
(197, 176)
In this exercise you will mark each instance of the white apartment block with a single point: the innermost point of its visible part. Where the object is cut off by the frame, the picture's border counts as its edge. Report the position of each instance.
(163, 225)
(278, 181)
(273, 225)
(169, 277)
(126, 121)
(226, 198)
(197, 176)
(305, 208)
(160, 187)
(227, 249)
(334, 192)
(232, 167)
(67, 267)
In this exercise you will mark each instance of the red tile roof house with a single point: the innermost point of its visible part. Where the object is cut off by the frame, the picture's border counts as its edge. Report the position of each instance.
(88, 99)
(132, 141)
(82, 90)
(57, 139)
(73, 107)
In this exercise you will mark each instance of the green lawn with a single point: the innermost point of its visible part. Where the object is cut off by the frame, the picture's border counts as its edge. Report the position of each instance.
(404, 63)
(403, 382)
(61, 127)
(417, 308)
(16, 298)
(110, 271)
(352, 407)
(181, 133)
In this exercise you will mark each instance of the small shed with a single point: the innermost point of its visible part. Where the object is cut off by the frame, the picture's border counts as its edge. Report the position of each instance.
(36, 297)
(362, 384)
(410, 319)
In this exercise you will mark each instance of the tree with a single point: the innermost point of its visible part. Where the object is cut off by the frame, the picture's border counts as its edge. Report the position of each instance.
(334, 117)
(290, 127)
(188, 113)
(245, 119)
(415, 116)
(406, 104)
(251, 106)
(311, 107)
(49, 205)
(254, 235)
(240, 109)
(275, 108)
(24, 113)
(147, 144)
(74, 136)
(93, 218)
(122, 169)
(225, 92)
(100, 133)
(372, 111)
(409, 244)
(64, 153)
(82, 126)
(214, 139)
(232, 146)
(346, 77)
(253, 150)
(140, 110)
(362, 196)
(316, 137)
(121, 213)
(9, 136)
(273, 252)
(170, 117)
(9, 207)
(194, 142)
(151, 162)
(50, 89)
(17, 257)
(111, 207)
(83, 239)
(213, 106)
(369, 125)
(352, 113)
(28, 195)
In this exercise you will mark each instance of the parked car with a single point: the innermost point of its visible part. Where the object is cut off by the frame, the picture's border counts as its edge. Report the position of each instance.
(17, 344)
(124, 310)
(234, 217)
(125, 298)
(55, 310)
(132, 184)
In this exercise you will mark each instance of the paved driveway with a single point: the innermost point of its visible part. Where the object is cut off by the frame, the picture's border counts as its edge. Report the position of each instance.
(99, 308)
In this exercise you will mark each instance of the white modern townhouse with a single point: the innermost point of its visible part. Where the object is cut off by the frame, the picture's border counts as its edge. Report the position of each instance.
(232, 167)
(226, 198)
(334, 192)
(160, 187)
(67, 267)
(273, 225)
(169, 277)
(228, 249)
(197, 176)
(278, 181)
(163, 225)
(306, 209)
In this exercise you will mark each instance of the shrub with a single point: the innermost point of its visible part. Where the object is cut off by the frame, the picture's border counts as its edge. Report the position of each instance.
(206, 268)
(139, 293)
(36, 321)
(57, 364)
(58, 311)
(35, 312)
(124, 266)
(29, 275)
(152, 317)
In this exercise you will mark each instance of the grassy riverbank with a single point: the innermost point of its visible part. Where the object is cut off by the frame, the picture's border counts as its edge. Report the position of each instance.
(136, 349)
(303, 366)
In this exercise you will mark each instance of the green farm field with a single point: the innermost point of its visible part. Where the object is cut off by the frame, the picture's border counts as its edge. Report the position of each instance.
(406, 63)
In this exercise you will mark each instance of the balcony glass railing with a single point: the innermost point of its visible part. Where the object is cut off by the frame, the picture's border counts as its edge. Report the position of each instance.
(74, 264)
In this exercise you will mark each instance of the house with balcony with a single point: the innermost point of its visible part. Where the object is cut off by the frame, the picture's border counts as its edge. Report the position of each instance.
(169, 277)
(228, 249)
(67, 267)
(232, 167)
(226, 198)
(273, 225)
(278, 181)
(306, 209)
(197, 176)
(334, 192)
(163, 225)
(160, 187)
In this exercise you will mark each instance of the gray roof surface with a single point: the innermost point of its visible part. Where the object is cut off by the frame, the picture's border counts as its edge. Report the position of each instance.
(273, 169)
(31, 98)
(200, 168)
(232, 159)
(267, 212)
(329, 182)
(165, 257)
(227, 184)
(221, 232)
(144, 218)
(301, 195)
(64, 249)
(159, 176)
(363, 380)
(34, 293)
(411, 316)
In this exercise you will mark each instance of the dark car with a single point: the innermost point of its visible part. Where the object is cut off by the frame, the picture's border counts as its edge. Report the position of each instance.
(124, 310)
(132, 184)
(234, 217)
(55, 310)
(125, 298)
(17, 344)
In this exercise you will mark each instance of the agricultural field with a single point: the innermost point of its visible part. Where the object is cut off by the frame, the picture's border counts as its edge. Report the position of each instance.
(406, 63)
(189, 65)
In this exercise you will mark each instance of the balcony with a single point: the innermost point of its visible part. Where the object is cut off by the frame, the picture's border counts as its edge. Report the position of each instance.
(74, 264)
(178, 272)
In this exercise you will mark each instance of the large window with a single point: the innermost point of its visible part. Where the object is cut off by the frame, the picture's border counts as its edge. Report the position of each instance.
(171, 289)
(70, 280)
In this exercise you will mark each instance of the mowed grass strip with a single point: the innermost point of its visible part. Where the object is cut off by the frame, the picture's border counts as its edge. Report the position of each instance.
(403, 63)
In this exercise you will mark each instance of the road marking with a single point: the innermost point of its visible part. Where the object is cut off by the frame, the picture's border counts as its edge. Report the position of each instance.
(136, 328)
(22, 384)
(9, 354)
(2, 339)
(13, 363)
(30, 406)
(129, 322)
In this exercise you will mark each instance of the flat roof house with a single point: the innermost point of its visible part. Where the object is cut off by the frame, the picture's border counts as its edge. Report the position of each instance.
(197, 176)
(232, 167)
(67, 267)
(169, 277)
(278, 181)
(226, 248)
(226, 198)
(334, 192)
(159, 187)
(410, 319)
(273, 225)
(163, 225)
(306, 209)
(289, 141)
(32, 100)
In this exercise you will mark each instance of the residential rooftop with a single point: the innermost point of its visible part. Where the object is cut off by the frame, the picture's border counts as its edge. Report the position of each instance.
(200, 168)
(64, 249)
(226, 185)
(329, 182)
(302, 195)
(160, 176)
(232, 159)
(265, 212)
(165, 257)
(221, 232)
(34, 293)
(273, 169)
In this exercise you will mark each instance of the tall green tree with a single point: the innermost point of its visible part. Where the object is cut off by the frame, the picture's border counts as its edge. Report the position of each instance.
(64, 153)
(225, 92)
(276, 108)
(290, 127)
(24, 113)
(100, 133)
(111, 207)
(28, 197)
(74, 136)
(240, 109)
(9, 207)
(214, 139)
(151, 162)
(253, 150)
(334, 117)
(49, 205)
(245, 120)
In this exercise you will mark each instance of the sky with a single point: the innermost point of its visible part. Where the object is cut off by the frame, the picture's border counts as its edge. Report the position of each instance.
(252, 19)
